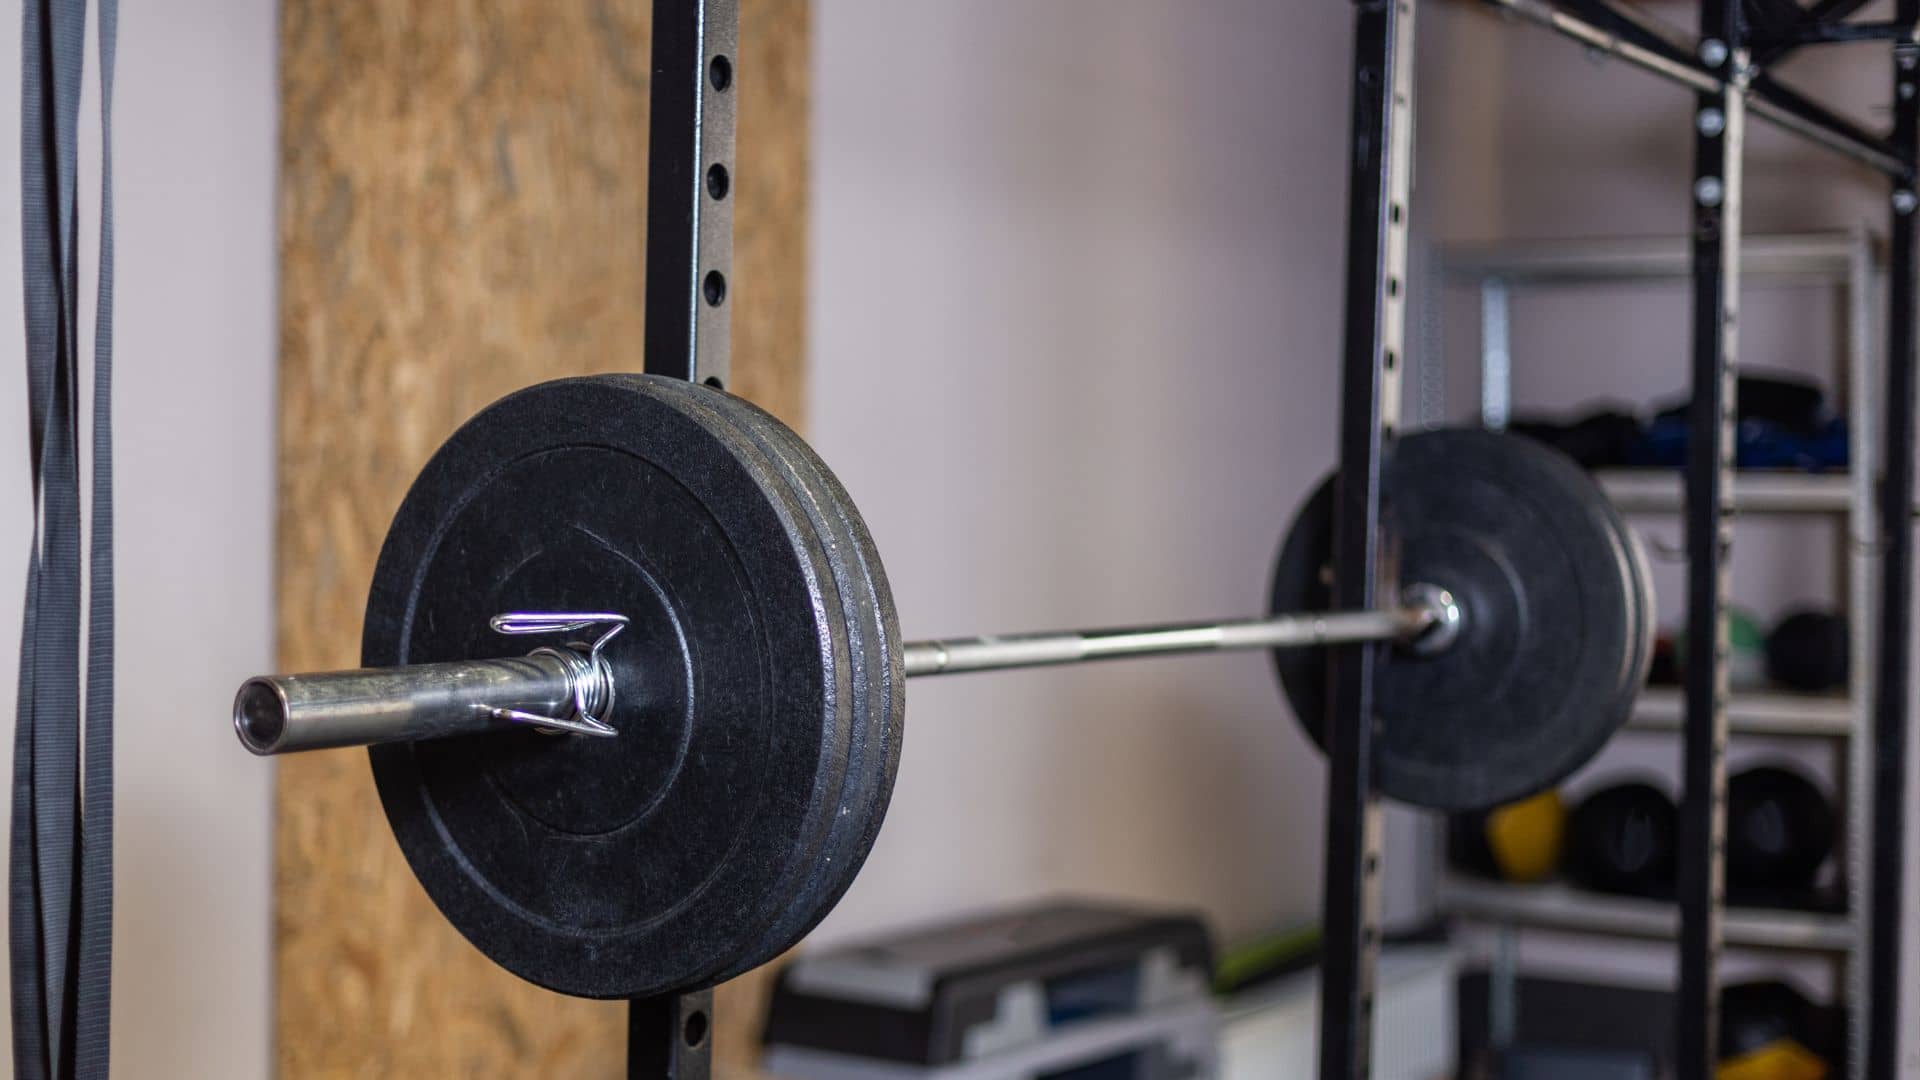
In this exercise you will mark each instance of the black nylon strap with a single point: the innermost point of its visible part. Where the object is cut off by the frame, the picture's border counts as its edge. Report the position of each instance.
(94, 978)
(52, 620)
(57, 743)
(27, 961)
(60, 884)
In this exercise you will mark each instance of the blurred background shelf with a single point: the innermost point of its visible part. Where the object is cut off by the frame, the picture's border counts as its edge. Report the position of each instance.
(1822, 256)
(1559, 906)
(1755, 491)
(1763, 712)
(1832, 513)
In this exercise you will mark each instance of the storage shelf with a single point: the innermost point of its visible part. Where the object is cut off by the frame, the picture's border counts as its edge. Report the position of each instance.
(1562, 907)
(1843, 500)
(1821, 256)
(1755, 491)
(1760, 712)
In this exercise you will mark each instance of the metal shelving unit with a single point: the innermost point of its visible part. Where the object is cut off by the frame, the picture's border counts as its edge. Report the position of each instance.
(1845, 260)
(1726, 63)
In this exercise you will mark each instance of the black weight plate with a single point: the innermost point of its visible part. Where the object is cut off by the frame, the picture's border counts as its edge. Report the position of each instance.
(653, 861)
(877, 683)
(1557, 633)
(874, 742)
(812, 884)
(888, 687)
(874, 745)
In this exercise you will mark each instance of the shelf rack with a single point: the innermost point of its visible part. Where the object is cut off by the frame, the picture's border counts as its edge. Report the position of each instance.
(1846, 260)
(1726, 66)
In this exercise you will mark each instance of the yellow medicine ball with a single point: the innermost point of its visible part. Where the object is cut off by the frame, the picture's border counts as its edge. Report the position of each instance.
(1526, 837)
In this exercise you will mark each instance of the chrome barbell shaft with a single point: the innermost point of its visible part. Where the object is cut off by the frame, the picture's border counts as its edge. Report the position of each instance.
(564, 689)
(955, 655)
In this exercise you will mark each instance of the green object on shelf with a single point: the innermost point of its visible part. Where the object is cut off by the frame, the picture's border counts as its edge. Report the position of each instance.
(1747, 659)
(1267, 957)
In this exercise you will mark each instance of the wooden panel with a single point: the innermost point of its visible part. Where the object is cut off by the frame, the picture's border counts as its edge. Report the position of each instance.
(462, 209)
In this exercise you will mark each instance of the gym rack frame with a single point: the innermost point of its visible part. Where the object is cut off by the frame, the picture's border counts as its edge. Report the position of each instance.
(689, 246)
(689, 252)
(1727, 69)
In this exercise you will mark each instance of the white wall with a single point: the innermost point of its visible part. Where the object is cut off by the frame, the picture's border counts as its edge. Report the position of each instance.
(195, 327)
(1074, 346)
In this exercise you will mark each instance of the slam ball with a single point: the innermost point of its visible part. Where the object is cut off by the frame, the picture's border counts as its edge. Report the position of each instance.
(1622, 840)
(1808, 651)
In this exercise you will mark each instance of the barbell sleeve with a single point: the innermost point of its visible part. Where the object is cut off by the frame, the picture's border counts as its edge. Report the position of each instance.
(282, 714)
(998, 653)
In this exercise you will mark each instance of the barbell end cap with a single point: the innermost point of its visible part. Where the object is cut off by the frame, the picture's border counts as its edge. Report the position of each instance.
(1444, 621)
(260, 716)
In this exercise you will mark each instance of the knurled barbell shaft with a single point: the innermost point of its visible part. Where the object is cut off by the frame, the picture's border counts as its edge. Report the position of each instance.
(955, 655)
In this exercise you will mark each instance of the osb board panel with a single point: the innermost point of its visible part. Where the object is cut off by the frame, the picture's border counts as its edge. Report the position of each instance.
(462, 210)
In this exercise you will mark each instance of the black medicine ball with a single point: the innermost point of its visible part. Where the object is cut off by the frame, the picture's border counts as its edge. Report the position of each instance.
(1757, 1013)
(1808, 651)
(1780, 829)
(1622, 840)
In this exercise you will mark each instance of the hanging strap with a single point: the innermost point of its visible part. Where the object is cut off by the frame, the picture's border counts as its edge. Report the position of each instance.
(27, 960)
(50, 688)
(93, 992)
(60, 883)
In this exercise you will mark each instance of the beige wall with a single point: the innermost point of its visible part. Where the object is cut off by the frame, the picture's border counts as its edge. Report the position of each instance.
(1075, 297)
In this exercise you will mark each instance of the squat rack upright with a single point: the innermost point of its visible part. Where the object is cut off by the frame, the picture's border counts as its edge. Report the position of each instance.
(1727, 68)
(689, 245)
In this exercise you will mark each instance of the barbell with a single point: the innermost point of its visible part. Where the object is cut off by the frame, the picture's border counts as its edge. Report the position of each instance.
(683, 793)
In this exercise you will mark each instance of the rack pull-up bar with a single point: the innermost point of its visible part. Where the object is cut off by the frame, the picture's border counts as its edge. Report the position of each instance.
(1767, 99)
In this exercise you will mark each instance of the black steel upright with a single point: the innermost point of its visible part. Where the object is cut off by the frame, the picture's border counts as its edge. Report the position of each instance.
(1719, 121)
(1378, 166)
(689, 246)
(670, 1038)
(1890, 735)
(689, 189)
